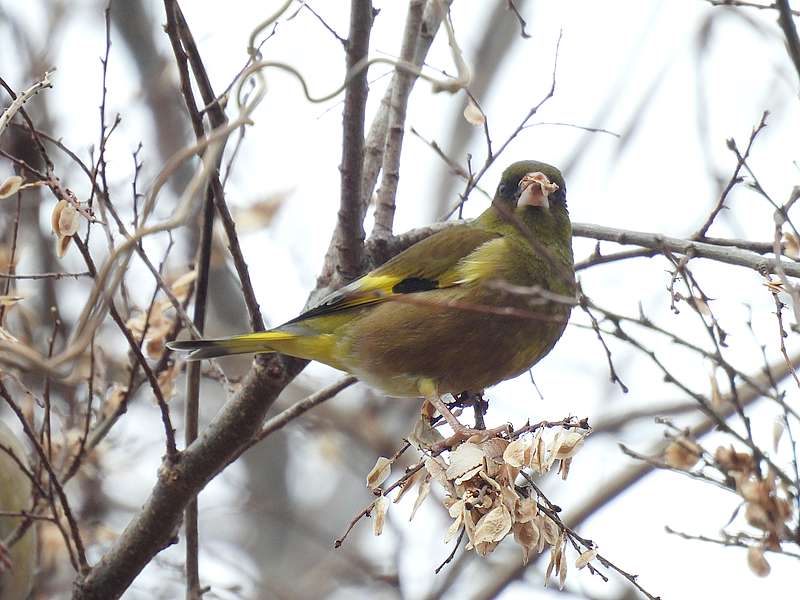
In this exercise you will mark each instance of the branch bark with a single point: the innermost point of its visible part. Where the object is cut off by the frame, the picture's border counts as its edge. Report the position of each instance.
(786, 21)
(350, 229)
(662, 243)
(401, 89)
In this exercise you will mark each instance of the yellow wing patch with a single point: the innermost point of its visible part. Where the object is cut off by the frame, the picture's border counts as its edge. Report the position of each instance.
(485, 262)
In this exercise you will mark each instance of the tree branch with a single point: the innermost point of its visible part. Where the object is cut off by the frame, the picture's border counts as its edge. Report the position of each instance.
(401, 89)
(786, 22)
(350, 230)
(662, 243)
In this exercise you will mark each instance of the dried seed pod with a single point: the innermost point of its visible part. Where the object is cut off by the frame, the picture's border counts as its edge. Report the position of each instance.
(682, 453)
(379, 512)
(379, 473)
(10, 186)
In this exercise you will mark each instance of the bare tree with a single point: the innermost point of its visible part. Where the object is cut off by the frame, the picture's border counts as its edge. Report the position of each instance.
(129, 258)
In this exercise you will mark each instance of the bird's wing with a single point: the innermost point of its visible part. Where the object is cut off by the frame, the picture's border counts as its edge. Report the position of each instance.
(427, 265)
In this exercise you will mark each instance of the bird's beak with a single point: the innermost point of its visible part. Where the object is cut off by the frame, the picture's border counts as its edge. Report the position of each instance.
(534, 189)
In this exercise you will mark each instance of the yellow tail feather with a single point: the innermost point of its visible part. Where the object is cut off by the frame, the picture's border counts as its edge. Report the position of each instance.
(314, 347)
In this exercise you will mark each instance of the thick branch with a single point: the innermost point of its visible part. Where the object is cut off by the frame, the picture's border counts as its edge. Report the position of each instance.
(350, 230)
(155, 526)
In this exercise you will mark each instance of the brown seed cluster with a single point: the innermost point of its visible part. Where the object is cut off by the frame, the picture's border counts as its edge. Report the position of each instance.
(480, 479)
(767, 503)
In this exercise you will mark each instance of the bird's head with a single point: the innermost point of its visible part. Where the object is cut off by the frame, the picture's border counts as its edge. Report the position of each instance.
(528, 186)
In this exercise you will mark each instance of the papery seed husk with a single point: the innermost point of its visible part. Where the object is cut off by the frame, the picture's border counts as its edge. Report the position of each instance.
(67, 220)
(455, 527)
(379, 473)
(465, 458)
(493, 526)
(527, 536)
(456, 508)
(537, 461)
(409, 484)
(550, 530)
(436, 469)
(468, 475)
(585, 558)
(571, 442)
(473, 114)
(379, 514)
(682, 453)
(62, 244)
(493, 448)
(424, 435)
(422, 494)
(526, 510)
(564, 468)
(551, 564)
(562, 571)
(469, 527)
(514, 453)
(10, 186)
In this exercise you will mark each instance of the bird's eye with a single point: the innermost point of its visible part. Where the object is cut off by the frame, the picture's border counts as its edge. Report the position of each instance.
(505, 190)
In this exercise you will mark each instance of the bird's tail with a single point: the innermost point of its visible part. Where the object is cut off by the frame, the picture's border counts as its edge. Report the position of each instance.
(265, 341)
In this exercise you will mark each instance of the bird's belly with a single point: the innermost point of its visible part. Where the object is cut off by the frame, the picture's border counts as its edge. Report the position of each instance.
(461, 345)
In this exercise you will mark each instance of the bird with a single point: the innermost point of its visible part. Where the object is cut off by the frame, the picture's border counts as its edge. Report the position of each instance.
(461, 310)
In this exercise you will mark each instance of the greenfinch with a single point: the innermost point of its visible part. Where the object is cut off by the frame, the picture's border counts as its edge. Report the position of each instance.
(446, 315)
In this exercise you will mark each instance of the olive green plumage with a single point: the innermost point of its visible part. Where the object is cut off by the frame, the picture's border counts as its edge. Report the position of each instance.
(435, 314)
